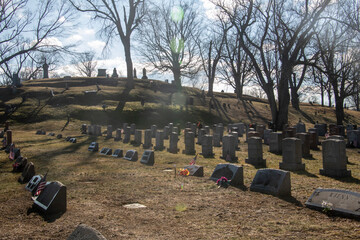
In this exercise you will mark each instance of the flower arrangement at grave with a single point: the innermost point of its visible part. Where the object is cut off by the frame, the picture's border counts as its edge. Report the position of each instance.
(223, 182)
(327, 206)
(184, 172)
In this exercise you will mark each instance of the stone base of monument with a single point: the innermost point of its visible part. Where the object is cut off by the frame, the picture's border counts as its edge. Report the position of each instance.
(272, 181)
(175, 151)
(292, 166)
(189, 152)
(195, 170)
(157, 148)
(335, 173)
(234, 173)
(208, 155)
(256, 162)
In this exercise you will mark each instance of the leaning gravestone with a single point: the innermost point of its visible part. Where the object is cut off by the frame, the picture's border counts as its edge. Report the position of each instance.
(28, 173)
(131, 155)
(255, 152)
(275, 142)
(159, 141)
(228, 149)
(342, 202)
(234, 173)
(291, 149)
(272, 181)
(207, 146)
(147, 158)
(195, 170)
(52, 199)
(118, 153)
(94, 147)
(334, 159)
(147, 139)
(84, 232)
(189, 143)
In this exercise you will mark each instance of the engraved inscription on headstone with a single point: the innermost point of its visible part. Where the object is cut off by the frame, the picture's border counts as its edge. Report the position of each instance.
(234, 173)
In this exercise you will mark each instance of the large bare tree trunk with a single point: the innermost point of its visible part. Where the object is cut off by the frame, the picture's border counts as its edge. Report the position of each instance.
(283, 95)
(129, 65)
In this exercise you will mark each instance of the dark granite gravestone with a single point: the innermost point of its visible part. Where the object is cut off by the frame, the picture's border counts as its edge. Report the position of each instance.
(234, 173)
(131, 155)
(52, 199)
(84, 232)
(342, 202)
(59, 136)
(118, 153)
(195, 170)
(32, 185)
(16, 153)
(72, 140)
(106, 151)
(101, 72)
(68, 139)
(2, 134)
(28, 173)
(272, 181)
(148, 158)
(94, 147)
(19, 164)
(83, 129)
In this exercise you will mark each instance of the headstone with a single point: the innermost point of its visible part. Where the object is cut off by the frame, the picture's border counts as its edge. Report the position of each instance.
(207, 130)
(275, 142)
(52, 199)
(114, 74)
(171, 126)
(290, 132)
(322, 128)
(2, 134)
(125, 125)
(313, 141)
(333, 129)
(117, 134)
(334, 159)
(83, 129)
(217, 142)
(153, 131)
(59, 136)
(131, 155)
(234, 173)
(300, 127)
(15, 80)
(255, 152)
(228, 148)
(207, 146)
(137, 138)
(166, 132)
(106, 151)
(147, 158)
(144, 74)
(32, 185)
(189, 143)
(118, 153)
(94, 147)
(291, 158)
(127, 135)
(174, 138)
(202, 133)
(28, 173)
(220, 130)
(46, 70)
(260, 129)
(9, 137)
(72, 140)
(159, 141)
(109, 132)
(267, 136)
(195, 170)
(84, 232)
(252, 134)
(147, 139)
(132, 128)
(342, 202)
(305, 144)
(101, 72)
(341, 130)
(193, 128)
(354, 138)
(19, 164)
(350, 127)
(272, 181)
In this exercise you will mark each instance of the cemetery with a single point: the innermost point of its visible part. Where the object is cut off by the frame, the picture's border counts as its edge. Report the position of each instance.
(151, 173)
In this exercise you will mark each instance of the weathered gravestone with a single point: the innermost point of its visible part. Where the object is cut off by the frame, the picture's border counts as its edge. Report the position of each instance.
(228, 148)
(260, 129)
(189, 143)
(127, 135)
(28, 173)
(194, 128)
(52, 199)
(313, 140)
(132, 128)
(94, 147)
(267, 136)
(166, 132)
(255, 152)
(300, 127)
(131, 155)
(217, 140)
(237, 141)
(333, 129)
(147, 158)
(234, 173)
(291, 150)
(275, 142)
(118, 153)
(322, 129)
(272, 181)
(147, 139)
(334, 159)
(207, 146)
(19, 164)
(220, 130)
(153, 131)
(202, 132)
(159, 141)
(106, 151)
(117, 135)
(305, 144)
(195, 170)
(32, 185)
(137, 138)
(84, 232)
(290, 132)
(174, 138)
(354, 138)
(342, 202)
(109, 132)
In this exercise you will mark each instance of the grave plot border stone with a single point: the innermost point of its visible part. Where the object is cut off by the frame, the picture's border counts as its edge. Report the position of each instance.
(272, 181)
(225, 169)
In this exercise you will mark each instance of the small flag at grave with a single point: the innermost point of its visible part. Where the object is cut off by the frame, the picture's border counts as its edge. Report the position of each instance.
(12, 153)
(41, 186)
(193, 161)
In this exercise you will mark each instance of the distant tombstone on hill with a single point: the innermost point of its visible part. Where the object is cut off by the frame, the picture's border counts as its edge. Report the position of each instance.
(339, 201)
(52, 199)
(195, 170)
(15, 80)
(135, 73)
(272, 181)
(101, 72)
(114, 74)
(94, 147)
(84, 232)
(234, 173)
(118, 153)
(144, 74)
(147, 158)
(28, 173)
(46, 70)
(131, 155)
(106, 151)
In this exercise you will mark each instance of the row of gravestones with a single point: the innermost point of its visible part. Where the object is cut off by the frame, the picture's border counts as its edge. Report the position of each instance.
(52, 198)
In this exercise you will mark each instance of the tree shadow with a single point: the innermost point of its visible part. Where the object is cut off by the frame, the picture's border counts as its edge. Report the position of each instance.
(306, 116)
(306, 173)
(350, 179)
(123, 98)
(221, 112)
(291, 199)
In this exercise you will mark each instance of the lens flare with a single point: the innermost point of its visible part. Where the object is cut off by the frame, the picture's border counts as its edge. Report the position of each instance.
(177, 45)
(177, 14)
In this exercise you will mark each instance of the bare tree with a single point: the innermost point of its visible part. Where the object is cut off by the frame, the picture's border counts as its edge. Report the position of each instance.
(85, 63)
(168, 36)
(118, 20)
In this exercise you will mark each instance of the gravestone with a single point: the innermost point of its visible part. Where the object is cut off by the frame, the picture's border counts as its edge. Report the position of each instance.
(189, 143)
(176, 130)
(28, 173)
(334, 159)
(313, 141)
(272, 181)
(275, 142)
(202, 133)
(144, 74)
(336, 137)
(125, 125)
(32, 185)
(220, 130)
(207, 130)
(207, 146)
(132, 128)
(193, 128)
(83, 129)
(137, 138)
(109, 132)
(117, 135)
(15, 80)
(195, 170)
(341, 130)
(333, 129)
(354, 138)
(94, 147)
(9, 137)
(171, 126)
(84, 232)
(340, 201)
(147, 158)
(166, 132)
(153, 131)
(72, 140)
(59, 136)
(251, 134)
(101, 72)
(147, 139)
(174, 138)
(106, 151)
(291, 158)
(300, 127)
(90, 130)
(260, 129)
(131, 155)
(350, 127)
(98, 130)
(217, 142)
(234, 173)
(19, 164)
(159, 141)
(267, 136)
(290, 132)
(241, 128)
(45, 70)
(228, 148)
(2, 134)
(114, 74)
(255, 152)
(118, 153)
(52, 199)
(127, 134)
(305, 144)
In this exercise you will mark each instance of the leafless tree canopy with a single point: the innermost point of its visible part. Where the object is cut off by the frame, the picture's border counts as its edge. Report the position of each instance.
(85, 63)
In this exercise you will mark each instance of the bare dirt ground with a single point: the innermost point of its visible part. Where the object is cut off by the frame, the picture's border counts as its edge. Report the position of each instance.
(98, 187)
